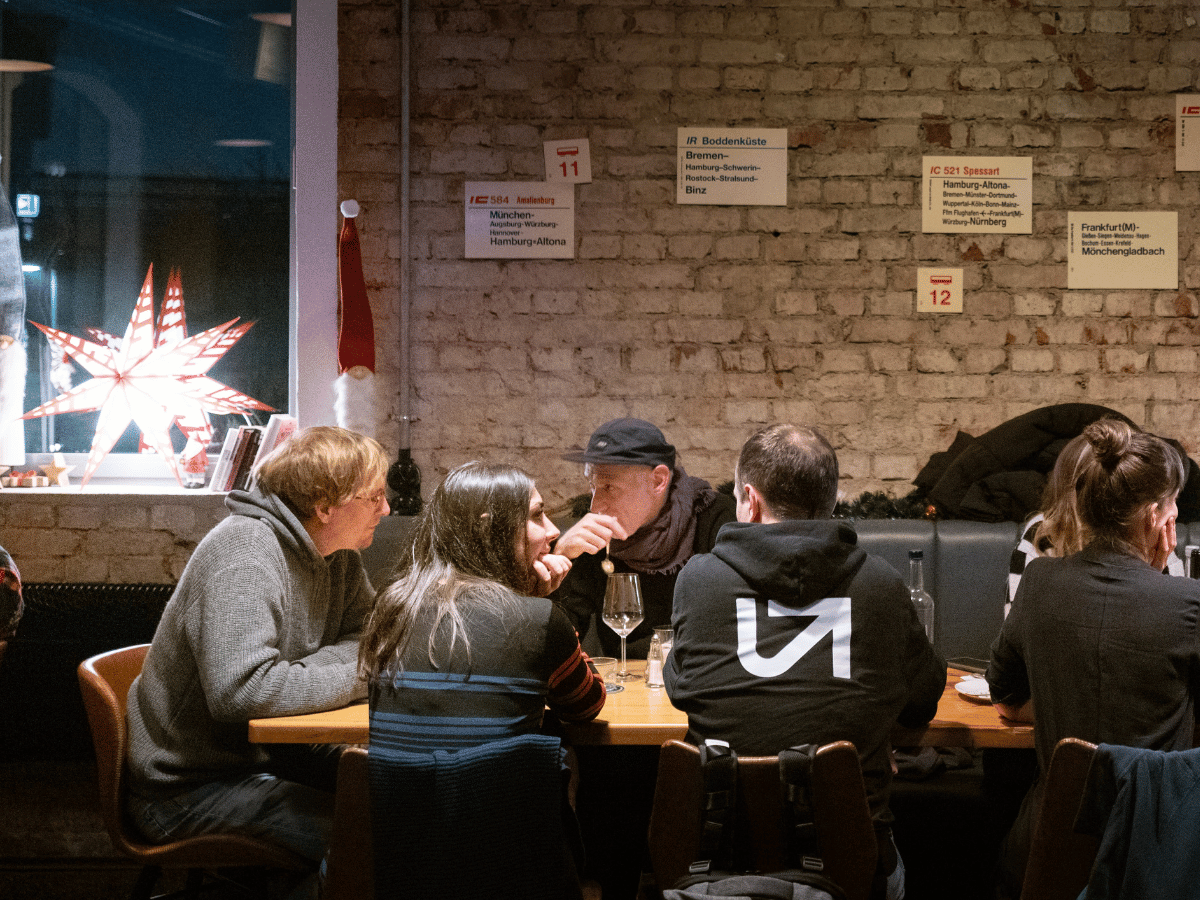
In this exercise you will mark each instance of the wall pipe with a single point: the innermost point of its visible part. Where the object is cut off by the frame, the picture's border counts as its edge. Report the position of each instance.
(403, 476)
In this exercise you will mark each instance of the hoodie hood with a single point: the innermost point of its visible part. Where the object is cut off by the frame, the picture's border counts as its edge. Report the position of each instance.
(802, 559)
(271, 510)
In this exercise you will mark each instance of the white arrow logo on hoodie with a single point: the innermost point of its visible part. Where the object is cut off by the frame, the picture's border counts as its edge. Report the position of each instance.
(833, 617)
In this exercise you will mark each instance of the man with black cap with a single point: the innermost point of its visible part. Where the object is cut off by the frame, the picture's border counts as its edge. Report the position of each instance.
(647, 516)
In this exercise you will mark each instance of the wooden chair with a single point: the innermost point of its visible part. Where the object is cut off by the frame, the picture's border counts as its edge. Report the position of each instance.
(350, 864)
(1060, 860)
(844, 827)
(105, 680)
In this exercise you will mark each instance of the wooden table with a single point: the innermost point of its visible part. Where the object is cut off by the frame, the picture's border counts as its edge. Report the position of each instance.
(639, 715)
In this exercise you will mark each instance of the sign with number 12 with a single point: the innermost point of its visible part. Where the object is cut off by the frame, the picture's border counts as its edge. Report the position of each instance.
(939, 290)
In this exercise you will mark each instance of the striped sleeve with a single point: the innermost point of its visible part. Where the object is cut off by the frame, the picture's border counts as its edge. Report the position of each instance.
(1021, 555)
(576, 693)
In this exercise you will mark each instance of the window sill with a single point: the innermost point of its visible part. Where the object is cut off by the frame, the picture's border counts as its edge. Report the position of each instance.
(145, 474)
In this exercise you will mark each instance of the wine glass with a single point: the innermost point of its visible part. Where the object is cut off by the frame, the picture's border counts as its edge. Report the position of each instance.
(623, 611)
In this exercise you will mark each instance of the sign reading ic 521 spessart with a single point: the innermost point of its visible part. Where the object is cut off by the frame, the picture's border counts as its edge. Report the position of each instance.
(972, 194)
(520, 220)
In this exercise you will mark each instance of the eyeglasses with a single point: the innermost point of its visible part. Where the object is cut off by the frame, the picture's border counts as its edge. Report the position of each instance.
(374, 499)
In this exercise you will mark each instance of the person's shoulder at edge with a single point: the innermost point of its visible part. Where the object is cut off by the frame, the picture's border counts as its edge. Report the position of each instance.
(710, 520)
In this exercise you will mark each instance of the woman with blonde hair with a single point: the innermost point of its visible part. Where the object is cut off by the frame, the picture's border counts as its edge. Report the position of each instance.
(1101, 644)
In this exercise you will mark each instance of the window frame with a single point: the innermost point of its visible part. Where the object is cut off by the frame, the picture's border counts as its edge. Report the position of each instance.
(312, 276)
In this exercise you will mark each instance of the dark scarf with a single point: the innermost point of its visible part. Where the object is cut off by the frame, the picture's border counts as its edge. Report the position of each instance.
(664, 544)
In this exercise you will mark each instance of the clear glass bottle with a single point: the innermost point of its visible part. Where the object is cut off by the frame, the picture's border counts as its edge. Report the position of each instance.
(654, 663)
(922, 602)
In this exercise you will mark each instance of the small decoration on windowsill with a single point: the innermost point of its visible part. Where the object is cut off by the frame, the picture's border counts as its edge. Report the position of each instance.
(155, 377)
(58, 471)
(28, 479)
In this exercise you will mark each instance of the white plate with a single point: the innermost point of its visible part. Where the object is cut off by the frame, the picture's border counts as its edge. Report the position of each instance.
(974, 688)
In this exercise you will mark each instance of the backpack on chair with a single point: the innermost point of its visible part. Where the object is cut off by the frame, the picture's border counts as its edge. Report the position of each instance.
(718, 873)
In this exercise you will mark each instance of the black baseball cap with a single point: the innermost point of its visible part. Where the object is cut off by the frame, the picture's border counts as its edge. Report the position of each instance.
(626, 442)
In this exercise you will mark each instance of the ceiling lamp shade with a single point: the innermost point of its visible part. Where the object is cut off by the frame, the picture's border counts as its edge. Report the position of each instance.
(23, 44)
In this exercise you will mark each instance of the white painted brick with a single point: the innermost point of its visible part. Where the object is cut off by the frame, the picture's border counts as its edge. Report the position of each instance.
(1175, 359)
(933, 359)
(1112, 21)
(832, 269)
(737, 247)
(838, 359)
(690, 246)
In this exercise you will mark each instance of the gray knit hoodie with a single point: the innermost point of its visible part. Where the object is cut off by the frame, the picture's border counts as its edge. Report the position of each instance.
(259, 625)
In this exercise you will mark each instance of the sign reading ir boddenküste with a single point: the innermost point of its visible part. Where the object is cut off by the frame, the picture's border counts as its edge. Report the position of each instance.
(732, 166)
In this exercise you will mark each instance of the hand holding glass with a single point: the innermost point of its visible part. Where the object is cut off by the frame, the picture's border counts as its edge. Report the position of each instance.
(623, 611)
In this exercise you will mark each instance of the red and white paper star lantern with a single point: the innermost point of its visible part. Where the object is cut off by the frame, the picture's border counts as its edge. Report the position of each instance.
(155, 377)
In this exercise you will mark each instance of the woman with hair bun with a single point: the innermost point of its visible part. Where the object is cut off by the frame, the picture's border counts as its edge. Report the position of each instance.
(1056, 529)
(1101, 644)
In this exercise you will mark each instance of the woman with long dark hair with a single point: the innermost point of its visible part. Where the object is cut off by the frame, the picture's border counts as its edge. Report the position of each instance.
(464, 647)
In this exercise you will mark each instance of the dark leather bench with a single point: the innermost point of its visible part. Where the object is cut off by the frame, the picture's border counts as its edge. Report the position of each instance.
(966, 568)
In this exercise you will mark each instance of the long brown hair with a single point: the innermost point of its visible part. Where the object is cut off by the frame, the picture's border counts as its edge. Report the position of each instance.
(469, 543)
(1061, 533)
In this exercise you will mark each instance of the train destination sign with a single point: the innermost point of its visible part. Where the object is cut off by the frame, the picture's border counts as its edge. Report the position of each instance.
(977, 194)
(520, 220)
(732, 166)
(1123, 250)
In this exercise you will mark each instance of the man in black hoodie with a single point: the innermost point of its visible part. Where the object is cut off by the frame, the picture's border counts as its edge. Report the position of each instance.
(788, 633)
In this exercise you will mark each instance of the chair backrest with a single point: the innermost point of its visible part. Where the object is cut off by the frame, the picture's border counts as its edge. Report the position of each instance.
(105, 680)
(839, 800)
(482, 821)
(350, 863)
(1060, 860)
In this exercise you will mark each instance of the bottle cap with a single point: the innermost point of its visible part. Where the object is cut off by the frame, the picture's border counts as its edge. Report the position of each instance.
(916, 554)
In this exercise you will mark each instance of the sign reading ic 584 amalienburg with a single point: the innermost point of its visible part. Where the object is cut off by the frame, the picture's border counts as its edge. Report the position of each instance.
(520, 220)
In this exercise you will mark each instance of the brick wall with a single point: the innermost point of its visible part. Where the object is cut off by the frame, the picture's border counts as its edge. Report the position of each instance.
(116, 538)
(713, 320)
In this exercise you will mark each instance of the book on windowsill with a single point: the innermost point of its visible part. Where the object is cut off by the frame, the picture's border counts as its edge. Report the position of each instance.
(278, 429)
(220, 473)
(243, 460)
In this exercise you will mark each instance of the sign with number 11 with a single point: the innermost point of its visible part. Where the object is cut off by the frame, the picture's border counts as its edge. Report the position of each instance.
(569, 161)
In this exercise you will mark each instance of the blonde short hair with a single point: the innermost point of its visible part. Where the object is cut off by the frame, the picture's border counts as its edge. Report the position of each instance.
(321, 466)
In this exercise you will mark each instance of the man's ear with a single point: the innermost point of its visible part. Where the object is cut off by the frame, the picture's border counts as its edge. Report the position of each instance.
(661, 479)
(323, 512)
(754, 503)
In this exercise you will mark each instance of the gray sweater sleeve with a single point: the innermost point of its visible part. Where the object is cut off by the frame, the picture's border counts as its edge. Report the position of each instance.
(254, 629)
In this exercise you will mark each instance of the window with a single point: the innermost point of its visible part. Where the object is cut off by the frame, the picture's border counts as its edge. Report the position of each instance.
(164, 135)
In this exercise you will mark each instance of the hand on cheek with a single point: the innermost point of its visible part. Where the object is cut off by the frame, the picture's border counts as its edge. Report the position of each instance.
(1166, 544)
(551, 569)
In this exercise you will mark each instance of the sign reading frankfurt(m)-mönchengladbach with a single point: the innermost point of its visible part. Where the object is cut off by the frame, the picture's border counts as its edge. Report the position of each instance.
(1123, 250)
(520, 220)
(731, 166)
(977, 194)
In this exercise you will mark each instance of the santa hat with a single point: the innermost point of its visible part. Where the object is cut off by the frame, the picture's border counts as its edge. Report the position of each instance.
(355, 402)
